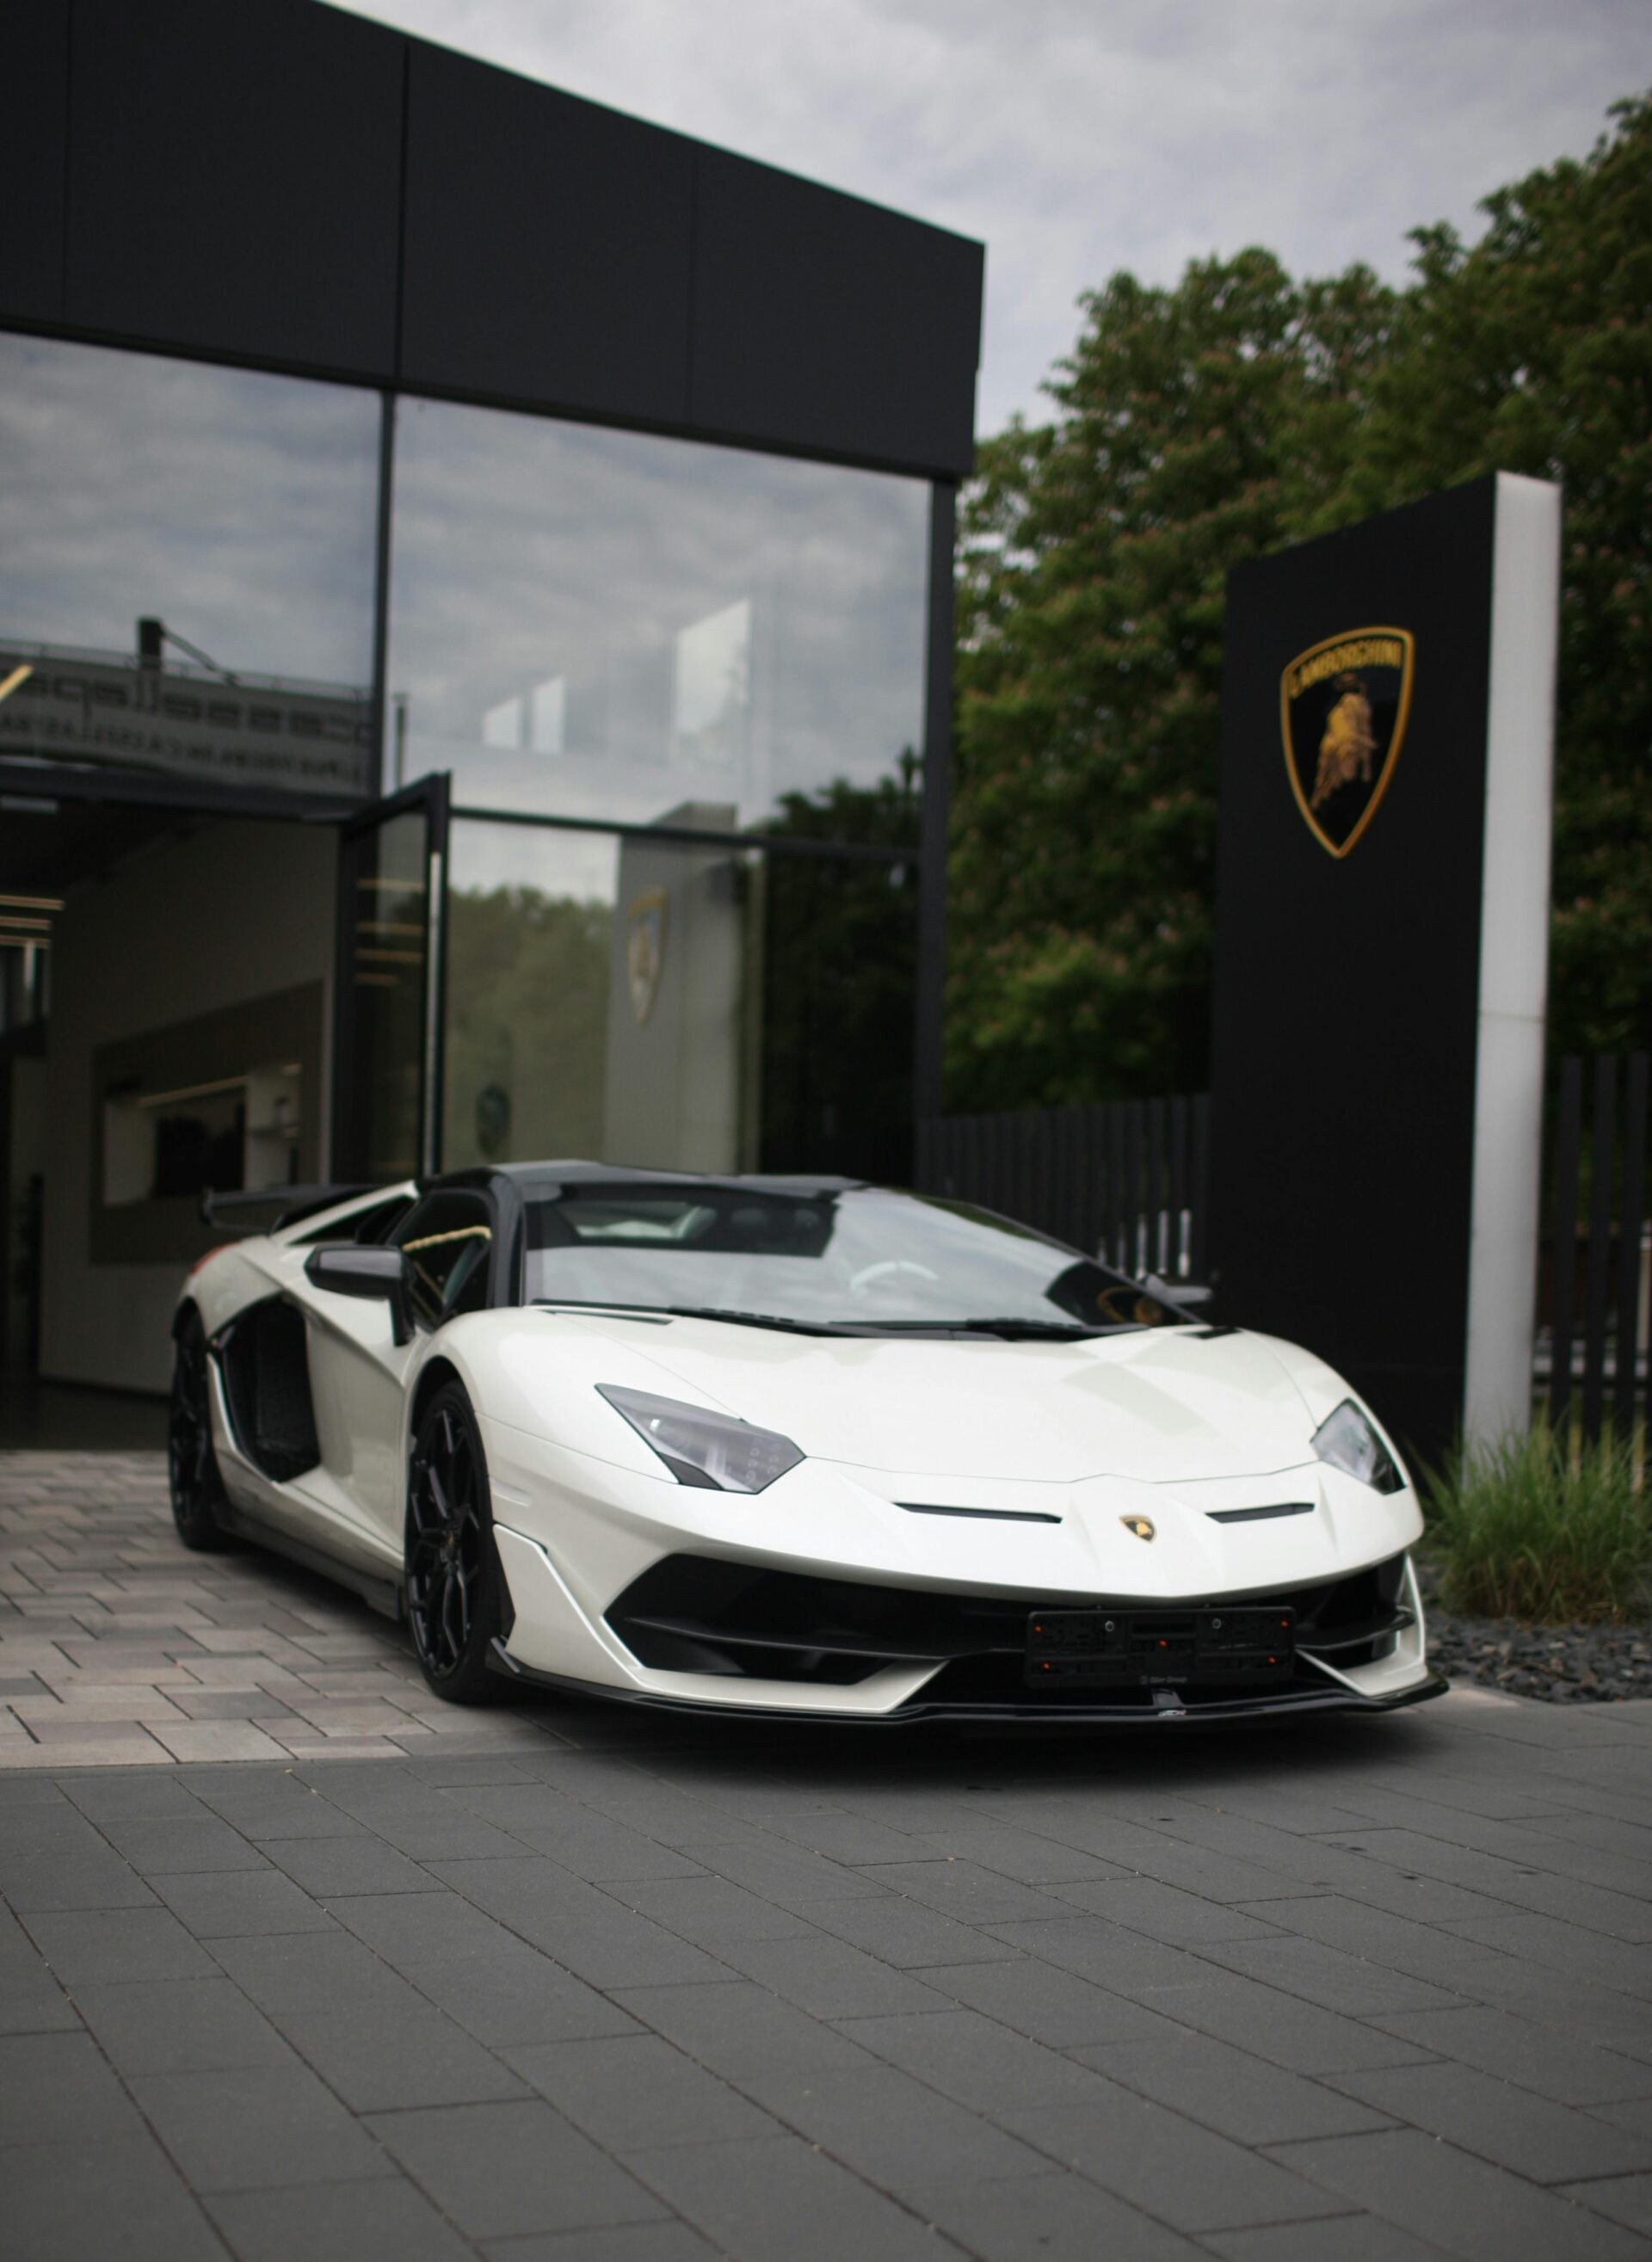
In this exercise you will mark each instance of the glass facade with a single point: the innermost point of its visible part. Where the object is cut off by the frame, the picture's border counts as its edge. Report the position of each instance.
(607, 624)
(678, 1006)
(637, 638)
(235, 508)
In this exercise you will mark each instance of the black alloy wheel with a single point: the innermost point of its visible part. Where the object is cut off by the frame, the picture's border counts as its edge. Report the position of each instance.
(198, 1490)
(454, 1585)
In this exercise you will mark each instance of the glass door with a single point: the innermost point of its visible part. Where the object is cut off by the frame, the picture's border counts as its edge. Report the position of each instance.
(391, 973)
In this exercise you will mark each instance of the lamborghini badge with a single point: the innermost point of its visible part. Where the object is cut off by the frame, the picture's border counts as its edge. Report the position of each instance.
(1343, 708)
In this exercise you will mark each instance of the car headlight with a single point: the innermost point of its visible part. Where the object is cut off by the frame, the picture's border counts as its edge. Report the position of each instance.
(700, 1448)
(1348, 1442)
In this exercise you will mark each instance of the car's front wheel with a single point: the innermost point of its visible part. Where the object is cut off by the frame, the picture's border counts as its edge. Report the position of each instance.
(196, 1488)
(455, 1588)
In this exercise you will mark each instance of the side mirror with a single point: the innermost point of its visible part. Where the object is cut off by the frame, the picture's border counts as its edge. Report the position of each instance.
(347, 1270)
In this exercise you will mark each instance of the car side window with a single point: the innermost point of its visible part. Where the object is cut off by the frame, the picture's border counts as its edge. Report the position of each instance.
(446, 1239)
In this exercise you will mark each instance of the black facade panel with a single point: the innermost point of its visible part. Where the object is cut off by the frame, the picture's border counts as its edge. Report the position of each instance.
(234, 180)
(824, 323)
(1346, 992)
(547, 248)
(32, 152)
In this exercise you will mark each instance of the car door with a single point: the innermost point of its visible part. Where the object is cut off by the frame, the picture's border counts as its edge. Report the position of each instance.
(360, 1373)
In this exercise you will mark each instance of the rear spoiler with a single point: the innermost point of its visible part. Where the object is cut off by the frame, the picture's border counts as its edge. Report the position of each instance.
(291, 1203)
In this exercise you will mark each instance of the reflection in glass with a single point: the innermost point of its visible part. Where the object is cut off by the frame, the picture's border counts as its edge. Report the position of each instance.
(238, 506)
(381, 999)
(635, 1000)
(607, 624)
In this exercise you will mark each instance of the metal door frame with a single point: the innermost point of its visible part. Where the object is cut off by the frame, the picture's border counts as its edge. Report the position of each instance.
(433, 797)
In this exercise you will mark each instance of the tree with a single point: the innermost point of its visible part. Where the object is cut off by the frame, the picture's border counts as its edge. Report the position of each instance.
(1192, 424)
(1533, 352)
(1198, 426)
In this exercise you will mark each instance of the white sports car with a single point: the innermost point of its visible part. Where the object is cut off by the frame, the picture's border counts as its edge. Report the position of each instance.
(792, 1446)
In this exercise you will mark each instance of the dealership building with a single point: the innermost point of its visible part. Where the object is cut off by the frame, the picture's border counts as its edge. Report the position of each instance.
(474, 643)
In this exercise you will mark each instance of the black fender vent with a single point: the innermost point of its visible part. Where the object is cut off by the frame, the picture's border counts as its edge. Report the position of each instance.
(266, 1371)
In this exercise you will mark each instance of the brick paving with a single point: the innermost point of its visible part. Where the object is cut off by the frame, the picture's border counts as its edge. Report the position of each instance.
(295, 1962)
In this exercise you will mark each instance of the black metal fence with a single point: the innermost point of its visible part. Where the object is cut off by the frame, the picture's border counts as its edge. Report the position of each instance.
(1597, 1273)
(1129, 1179)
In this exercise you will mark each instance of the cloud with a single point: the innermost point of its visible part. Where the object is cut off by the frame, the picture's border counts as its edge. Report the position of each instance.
(1075, 139)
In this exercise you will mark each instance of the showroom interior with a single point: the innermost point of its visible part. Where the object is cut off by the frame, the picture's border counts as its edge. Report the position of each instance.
(474, 644)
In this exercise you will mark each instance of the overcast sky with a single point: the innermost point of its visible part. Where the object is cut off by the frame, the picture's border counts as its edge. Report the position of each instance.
(1078, 136)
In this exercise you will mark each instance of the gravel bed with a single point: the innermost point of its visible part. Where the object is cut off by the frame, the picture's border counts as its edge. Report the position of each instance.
(1562, 1664)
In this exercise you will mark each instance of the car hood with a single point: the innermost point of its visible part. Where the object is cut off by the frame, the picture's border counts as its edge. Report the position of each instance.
(1162, 1406)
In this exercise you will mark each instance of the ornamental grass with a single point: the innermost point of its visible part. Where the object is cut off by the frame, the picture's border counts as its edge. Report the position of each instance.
(1552, 1527)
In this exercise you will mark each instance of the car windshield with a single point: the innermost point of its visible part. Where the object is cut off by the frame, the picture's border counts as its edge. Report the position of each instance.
(860, 1259)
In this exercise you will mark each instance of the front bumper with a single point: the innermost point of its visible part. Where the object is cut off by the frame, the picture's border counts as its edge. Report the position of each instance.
(698, 1633)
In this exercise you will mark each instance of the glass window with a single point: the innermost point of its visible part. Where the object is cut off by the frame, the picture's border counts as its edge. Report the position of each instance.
(445, 1239)
(627, 999)
(610, 625)
(233, 509)
(860, 1259)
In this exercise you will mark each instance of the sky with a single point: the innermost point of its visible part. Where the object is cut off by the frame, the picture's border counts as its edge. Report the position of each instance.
(1076, 137)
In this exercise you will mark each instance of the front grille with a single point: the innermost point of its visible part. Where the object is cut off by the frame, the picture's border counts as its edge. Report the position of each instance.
(695, 1614)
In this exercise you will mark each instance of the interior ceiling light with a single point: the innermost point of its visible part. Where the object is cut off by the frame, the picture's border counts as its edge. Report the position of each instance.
(32, 902)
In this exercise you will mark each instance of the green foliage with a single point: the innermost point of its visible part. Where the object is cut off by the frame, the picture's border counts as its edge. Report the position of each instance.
(1095, 553)
(1536, 1528)
(1533, 352)
(1200, 425)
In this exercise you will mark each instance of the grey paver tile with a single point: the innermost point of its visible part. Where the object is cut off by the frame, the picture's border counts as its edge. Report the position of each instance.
(1056, 2218)
(496, 2169)
(741, 2031)
(1625, 2200)
(86, 1946)
(896, 2132)
(1532, 2135)
(379, 2041)
(1461, 2203)
(1537, 2057)
(1168, 1913)
(384, 2220)
(103, 2196)
(223, 1905)
(57, 2088)
(829, 1978)
(580, 1925)
(902, 1933)
(179, 2026)
(636, 2090)
(1168, 2165)
(1351, 1985)
(328, 1867)
(246, 2128)
(1235, 2093)
(710, 1910)
(179, 1844)
(1051, 2004)
(520, 1998)
(973, 2060)
(758, 2198)
(412, 1929)
(964, 1889)
(628, 2242)
(1348, 2238)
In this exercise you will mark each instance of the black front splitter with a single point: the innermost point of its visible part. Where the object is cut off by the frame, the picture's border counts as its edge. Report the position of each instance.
(918, 1714)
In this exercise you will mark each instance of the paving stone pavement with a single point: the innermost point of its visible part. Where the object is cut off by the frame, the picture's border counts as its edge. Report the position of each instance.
(295, 1962)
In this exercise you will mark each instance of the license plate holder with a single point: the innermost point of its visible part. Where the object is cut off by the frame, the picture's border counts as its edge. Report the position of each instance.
(1161, 1648)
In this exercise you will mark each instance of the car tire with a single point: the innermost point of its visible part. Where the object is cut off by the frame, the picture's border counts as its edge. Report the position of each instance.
(455, 1590)
(192, 1464)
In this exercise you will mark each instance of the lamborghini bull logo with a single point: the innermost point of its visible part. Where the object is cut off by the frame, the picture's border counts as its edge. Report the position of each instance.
(646, 951)
(1343, 704)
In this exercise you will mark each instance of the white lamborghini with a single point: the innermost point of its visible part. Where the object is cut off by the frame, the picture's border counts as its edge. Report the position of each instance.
(794, 1446)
